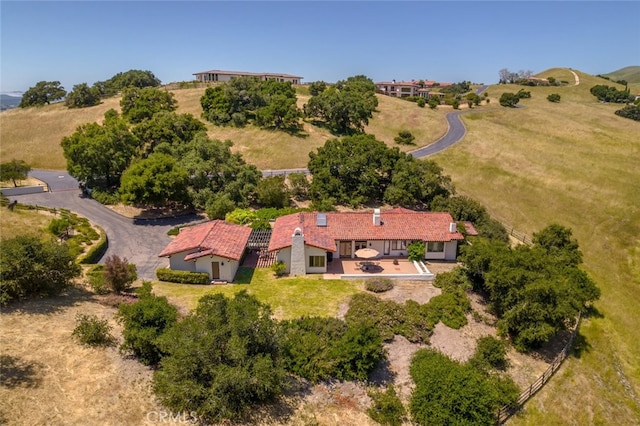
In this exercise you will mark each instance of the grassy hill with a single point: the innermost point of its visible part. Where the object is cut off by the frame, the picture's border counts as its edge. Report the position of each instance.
(578, 164)
(575, 163)
(630, 74)
(34, 134)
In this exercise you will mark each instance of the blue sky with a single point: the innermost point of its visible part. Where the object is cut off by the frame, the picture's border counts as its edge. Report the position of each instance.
(89, 41)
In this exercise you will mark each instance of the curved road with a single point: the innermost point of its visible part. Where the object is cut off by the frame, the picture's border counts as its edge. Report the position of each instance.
(141, 241)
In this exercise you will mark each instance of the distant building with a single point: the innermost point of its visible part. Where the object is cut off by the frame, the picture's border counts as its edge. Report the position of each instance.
(404, 89)
(220, 75)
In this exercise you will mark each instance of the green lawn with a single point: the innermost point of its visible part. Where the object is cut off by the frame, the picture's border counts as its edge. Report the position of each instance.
(288, 297)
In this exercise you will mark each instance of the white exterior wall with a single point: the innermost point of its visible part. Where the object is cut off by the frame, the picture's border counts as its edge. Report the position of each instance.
(228, 267)
(314, 251)
(177, 262)
(284, 256)
(449, 252)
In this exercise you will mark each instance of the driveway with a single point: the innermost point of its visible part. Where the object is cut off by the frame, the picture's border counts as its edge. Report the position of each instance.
(140, 243)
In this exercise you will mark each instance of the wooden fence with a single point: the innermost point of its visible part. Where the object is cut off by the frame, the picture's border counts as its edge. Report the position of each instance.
(520, 236)
(509, 410)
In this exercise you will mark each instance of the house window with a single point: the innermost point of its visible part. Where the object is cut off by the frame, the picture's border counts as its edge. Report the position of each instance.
(398, 245)
(316, 261)
(435, 246)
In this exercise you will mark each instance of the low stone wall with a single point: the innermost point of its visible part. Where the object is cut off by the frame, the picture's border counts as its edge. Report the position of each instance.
(22, 190)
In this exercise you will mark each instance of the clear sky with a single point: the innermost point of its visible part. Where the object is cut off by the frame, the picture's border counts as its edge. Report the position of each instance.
(88, 41)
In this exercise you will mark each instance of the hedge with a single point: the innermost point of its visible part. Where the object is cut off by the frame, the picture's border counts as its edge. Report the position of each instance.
(95, 253)
(182, 277)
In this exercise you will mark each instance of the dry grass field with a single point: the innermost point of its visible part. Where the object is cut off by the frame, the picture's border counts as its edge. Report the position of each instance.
(577, 164)
(34, 134)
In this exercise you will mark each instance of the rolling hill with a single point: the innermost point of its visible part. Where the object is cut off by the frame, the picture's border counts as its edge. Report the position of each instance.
(630, 74)
(574, 163)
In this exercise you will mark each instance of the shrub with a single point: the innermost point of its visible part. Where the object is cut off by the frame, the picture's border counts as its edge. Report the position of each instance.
(490, 353)
(405, 138)
(59, 226)
(92, 331)
(378, 284)
(629, 111)
(554, 97)
(509, 100)
(299, 186)
(144, 322)
(96, 279)
(416, 251)
(386, 407)
(421, 102)
(279, 268)
(450, 308)
(96, 251)
(119, 273)
(105, 197)
(182, 277)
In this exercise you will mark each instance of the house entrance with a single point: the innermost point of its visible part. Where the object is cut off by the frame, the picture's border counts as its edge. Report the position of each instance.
(361, 245)
(215, 270)
(345, 248)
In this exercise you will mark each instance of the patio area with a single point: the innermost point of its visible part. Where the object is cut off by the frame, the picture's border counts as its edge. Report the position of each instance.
(345, 268)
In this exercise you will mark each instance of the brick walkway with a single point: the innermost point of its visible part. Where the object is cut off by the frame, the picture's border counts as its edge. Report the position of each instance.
(259, 259)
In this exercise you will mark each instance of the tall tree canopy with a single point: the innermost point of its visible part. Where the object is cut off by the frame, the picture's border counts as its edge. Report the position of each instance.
(82, 96)
(122, 80)
(98, 154)
(347, 105)
(141, 104)
(155, 180)
(43, 93)
(167, 128)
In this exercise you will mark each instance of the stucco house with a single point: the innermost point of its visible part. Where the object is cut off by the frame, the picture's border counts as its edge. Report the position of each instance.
(221, 75)
(403, 89)
(214, 247)
(305, 242)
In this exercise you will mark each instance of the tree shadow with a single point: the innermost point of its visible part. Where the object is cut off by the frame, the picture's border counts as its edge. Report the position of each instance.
(382, 375)
(244, 275)
(16, 372)
(73, 296)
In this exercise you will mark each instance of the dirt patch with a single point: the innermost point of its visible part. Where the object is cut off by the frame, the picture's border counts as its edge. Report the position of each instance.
(420, 291)
(133, 212)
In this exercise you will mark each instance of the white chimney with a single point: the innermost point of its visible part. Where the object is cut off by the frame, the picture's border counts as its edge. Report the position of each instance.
(377, 221)
(453, 227)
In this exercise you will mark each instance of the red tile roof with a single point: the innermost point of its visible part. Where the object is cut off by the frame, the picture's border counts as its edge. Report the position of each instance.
(216, 238)
(397, 224)
(470, 229)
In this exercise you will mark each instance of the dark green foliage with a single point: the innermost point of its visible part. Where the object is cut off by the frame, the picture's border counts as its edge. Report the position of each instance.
(322, 348)
(416, 251)
(554, 97)
(96, 251)
(30, 267)
(434, 101)
(378, 284)
(144, 322)
(119, 274)
(139, 104)
(611, 94)
(279, 268)
(386, 407)
(317, 87)
(272, 192)
(345, 106)
(219, 206)
(221, 359)
(122, 80)
(535, 291)
(463, 208)
(358, 169)
(457, 88)
(299, 186)
(490, 354)
(167, 128)
(108, 196)
(59, 226)
(405, 138)
(450, 307)
(82, 96)
(98, 154)
(155, 180)
(92, 331)
(14, 171)
(630, 111)
(509, 100)
(182, 277)
(44, 92)
(523, 94)
(97, 281)
(448, 392)
(421, 102)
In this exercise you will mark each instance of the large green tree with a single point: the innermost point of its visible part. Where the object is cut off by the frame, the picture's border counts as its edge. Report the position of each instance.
(415, 183)
(345, 106)
(31, 267)
(140, 104)
(98, 154)
(122, 80)
(14, 171)
(43, 93)
(352, 170)
(221, 359)
(155, 180)
(82, 96)
(167, 128)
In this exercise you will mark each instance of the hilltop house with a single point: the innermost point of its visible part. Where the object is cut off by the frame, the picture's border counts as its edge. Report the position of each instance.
(220, 75)
(404, 89)
(215, 247)
(306, 241)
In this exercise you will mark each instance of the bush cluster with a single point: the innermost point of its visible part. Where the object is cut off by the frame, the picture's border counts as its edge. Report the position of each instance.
(378, 284)
(92, 331)
(386, 407)
(182, 277)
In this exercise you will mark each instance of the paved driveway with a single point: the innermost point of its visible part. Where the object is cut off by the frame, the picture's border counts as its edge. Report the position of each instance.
(140, 243)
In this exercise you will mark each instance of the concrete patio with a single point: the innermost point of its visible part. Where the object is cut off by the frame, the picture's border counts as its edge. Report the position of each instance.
(345, 268)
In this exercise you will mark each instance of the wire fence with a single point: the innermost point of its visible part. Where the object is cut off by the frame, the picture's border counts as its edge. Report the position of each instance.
(509, 410)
